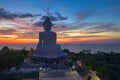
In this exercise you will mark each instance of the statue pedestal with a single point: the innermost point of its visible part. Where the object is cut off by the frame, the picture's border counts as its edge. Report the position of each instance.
(49, 51)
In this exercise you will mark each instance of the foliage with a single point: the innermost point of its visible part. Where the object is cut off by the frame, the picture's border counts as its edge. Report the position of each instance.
(5, 48)
(24, 52)
(30, 53)
(105, 64)
(10, 58)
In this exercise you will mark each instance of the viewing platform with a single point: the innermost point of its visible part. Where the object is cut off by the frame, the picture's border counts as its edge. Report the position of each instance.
(60, 75)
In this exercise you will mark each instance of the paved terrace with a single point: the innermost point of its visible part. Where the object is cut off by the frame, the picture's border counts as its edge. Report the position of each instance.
(60, 75)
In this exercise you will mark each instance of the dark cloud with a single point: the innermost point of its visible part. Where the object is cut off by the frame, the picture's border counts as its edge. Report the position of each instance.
(47, 11)
(55, 27)
(38, 24)
(94, 32)
(63, 26)
(108, 26)
(103, 28)
(54, 16)
(4, 14)
(86, 24)
(89, 27)
(59, 16)
(8, 31)
(82, 15)
(82, 25)
(27, 15)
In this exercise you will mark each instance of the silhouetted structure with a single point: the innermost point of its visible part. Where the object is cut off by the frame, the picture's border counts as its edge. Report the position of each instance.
(48, 53)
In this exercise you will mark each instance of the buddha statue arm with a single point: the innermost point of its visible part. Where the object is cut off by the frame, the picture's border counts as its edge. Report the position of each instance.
(40, 41)
(40, 38)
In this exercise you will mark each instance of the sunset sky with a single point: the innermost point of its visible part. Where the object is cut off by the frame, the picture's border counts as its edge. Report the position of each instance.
(75, 21)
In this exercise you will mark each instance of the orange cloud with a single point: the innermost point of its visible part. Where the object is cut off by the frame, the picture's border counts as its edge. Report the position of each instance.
(17, 41)
(59, 40)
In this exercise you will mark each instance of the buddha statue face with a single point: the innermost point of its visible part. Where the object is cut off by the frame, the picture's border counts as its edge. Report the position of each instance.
(47, 24)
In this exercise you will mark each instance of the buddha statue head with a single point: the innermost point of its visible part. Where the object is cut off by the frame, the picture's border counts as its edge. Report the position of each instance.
(47, 24)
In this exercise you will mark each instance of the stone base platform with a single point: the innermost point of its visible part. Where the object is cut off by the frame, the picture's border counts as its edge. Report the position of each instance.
(60, 75)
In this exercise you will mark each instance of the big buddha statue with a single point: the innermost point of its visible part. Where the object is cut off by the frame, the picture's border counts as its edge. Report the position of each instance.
(47, 49)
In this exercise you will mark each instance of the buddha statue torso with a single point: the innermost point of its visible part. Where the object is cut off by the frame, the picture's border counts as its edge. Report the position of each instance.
(47, 37)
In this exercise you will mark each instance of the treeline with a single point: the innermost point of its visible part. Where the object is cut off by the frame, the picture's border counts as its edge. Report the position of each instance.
(11, 58)
(106, 65)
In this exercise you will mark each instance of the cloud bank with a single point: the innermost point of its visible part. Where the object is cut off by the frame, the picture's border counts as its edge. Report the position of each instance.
(4, 14)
